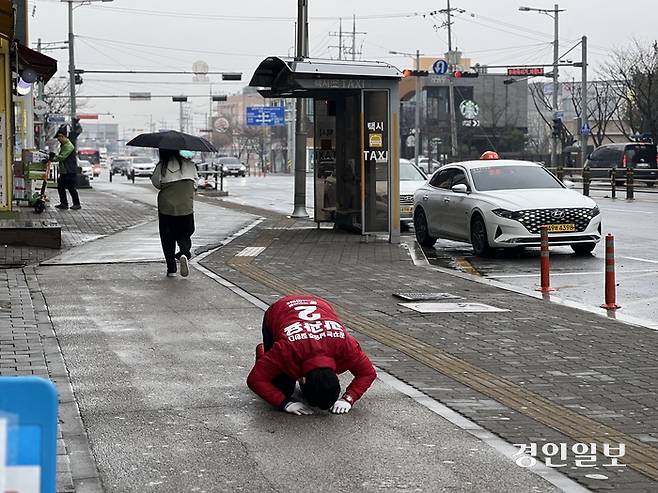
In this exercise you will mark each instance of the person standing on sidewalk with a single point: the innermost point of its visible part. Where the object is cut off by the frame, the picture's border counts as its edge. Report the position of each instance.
(176, 178)
(304, 341)
(68, 171)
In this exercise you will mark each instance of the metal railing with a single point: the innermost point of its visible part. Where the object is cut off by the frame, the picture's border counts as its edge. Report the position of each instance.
(589, 179)
(217, 174)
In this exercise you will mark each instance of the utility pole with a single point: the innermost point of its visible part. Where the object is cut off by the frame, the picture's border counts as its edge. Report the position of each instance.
(343, 50)
(454, 148)
(353, 37)
(584, 105)
(301, 52)
(417, 113)
(42, 124)
(71, 70)
(340, 38)
(556, 56)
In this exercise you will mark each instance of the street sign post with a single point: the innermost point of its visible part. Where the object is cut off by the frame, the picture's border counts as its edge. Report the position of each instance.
(266, 116)
(585, 130)
(440, 67)
(56, 119)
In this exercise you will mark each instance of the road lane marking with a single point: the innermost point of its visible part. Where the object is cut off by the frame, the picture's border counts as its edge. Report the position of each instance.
(606, 209)
(467, 267)
(637, 259)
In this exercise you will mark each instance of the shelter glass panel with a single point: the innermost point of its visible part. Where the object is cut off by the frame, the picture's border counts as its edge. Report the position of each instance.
(376, 161)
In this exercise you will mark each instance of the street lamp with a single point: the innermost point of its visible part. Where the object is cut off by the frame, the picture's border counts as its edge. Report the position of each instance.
(556, 55)
(416, 106)
(72, 74)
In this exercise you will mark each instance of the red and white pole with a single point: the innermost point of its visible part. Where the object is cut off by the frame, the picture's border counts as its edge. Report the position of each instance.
(545, 263)
(610, 282)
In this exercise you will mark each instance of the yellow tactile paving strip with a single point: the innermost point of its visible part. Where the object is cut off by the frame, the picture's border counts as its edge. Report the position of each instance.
(639, 456)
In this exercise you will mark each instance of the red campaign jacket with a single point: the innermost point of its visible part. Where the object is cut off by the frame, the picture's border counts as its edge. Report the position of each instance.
(307, 335)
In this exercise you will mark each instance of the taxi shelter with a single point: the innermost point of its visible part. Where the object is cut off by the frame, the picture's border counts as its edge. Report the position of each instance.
(355, 136)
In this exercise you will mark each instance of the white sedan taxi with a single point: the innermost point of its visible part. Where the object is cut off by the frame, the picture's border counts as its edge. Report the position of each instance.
(503, 204)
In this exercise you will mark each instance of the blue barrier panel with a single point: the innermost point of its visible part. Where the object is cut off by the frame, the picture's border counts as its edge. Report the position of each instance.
(28, 421)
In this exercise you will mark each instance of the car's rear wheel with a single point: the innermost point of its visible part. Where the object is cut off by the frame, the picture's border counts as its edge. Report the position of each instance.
(650, 184)
(422, 231)
(583, 248)
(479, 238)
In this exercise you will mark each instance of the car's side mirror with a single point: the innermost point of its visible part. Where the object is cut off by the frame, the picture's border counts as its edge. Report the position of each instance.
(460, 188)
(569, 184)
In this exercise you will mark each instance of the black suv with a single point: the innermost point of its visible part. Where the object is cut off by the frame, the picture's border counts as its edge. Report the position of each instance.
(639, 156)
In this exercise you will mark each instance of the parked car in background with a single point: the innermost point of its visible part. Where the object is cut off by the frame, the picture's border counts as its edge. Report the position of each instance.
(141, 166)
(86, 168)
(120, 164)
(641, 157)
(503, 204)
(411, 179)
(423, 161)
(232, 166)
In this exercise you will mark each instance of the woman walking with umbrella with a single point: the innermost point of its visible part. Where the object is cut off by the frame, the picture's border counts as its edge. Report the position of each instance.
(176, 178)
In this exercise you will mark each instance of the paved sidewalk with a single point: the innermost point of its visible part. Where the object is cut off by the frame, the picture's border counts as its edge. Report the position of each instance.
(539, 372)
(141, 378)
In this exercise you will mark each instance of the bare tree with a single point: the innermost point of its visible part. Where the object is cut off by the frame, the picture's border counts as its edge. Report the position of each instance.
(634, 73)
(543, 106)
(56, 97)
(603, 107)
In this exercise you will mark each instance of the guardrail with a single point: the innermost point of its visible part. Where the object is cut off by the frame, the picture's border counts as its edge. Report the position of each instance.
(632, 180)
(216, 172)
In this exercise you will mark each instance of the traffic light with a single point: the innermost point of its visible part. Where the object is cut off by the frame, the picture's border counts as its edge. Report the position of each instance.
(458, 74)
(414, 73)
(78, 79)
(76, 128)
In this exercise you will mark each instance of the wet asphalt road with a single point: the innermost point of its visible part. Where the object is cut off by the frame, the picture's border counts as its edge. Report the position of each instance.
(634, 225)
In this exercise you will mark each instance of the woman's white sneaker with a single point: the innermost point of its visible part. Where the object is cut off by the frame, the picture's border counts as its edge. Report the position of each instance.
(184, 267)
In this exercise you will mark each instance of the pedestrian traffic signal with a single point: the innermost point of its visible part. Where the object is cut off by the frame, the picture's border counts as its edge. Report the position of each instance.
(414, 73)
(458, 74)
(78, 79)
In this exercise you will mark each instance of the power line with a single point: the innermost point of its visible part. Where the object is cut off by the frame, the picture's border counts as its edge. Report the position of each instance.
(171, 48)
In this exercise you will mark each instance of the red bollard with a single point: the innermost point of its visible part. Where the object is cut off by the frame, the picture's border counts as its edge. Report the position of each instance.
(545, 264)
(610, 283)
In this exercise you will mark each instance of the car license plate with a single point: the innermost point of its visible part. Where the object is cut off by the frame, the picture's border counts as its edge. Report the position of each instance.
(642, 165)
(406, 209)
(561, 228)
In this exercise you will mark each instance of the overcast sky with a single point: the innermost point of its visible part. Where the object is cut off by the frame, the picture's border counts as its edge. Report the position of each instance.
(236, 35)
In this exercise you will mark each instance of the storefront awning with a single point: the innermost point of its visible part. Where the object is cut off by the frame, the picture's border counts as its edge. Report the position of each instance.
(43, 65)
(6, 19)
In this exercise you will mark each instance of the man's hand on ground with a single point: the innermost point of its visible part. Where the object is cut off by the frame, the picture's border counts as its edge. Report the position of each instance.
(298, 408)
(341, 406)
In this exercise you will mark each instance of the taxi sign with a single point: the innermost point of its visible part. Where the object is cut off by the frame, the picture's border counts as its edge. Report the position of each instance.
(28, 435)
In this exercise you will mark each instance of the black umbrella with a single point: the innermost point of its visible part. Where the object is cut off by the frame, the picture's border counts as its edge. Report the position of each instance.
(172, 140)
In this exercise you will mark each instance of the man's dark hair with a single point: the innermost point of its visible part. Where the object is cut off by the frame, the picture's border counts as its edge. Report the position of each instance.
(321, 388)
